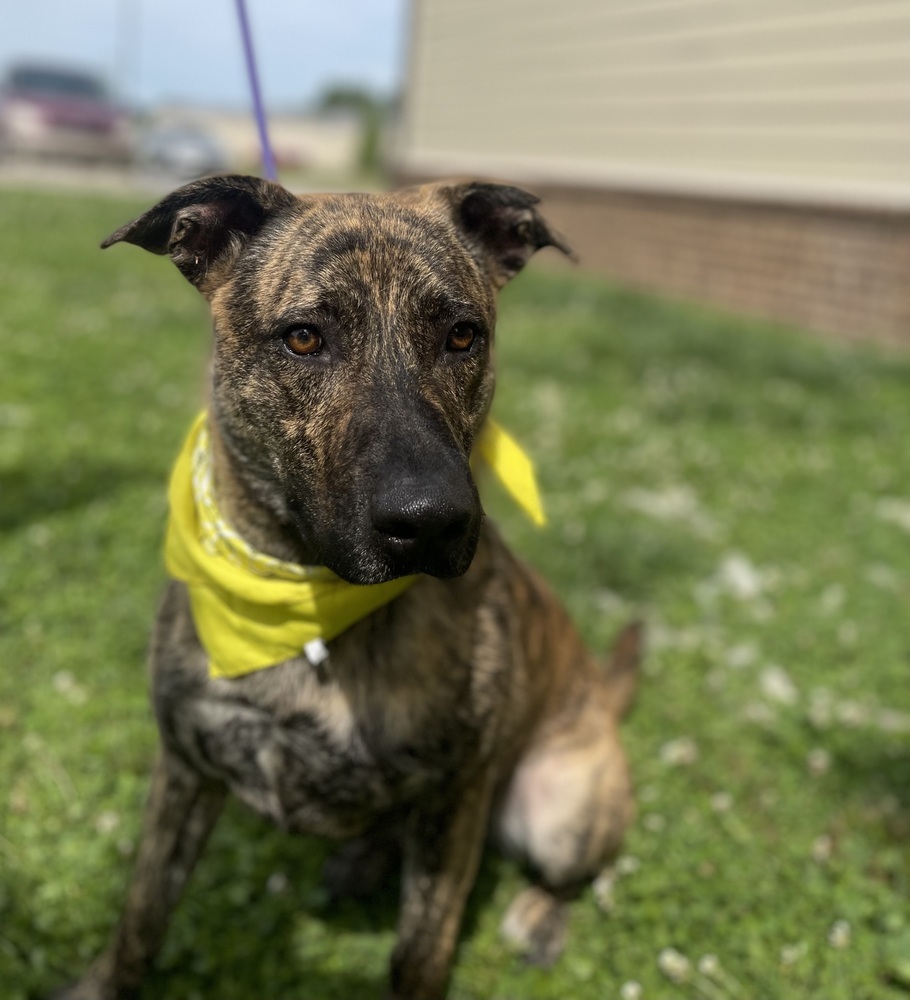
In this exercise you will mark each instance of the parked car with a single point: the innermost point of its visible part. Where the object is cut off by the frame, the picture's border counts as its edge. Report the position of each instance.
(185, 150)
(51, 111)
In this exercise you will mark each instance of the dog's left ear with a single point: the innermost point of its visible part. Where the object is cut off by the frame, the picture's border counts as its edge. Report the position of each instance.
(501, 227)
(204, 225)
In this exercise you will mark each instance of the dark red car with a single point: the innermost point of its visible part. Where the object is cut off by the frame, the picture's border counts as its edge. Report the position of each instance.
(58, 112)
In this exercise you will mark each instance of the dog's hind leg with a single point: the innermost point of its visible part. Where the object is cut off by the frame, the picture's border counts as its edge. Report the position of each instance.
(568, 803)
(181, 811)
(564, 814)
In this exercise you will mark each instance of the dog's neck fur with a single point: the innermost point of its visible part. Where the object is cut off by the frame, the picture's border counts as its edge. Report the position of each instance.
(252, 504)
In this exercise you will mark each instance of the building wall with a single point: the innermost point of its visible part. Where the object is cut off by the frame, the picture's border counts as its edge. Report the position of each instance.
(825, 269)
(741, 94)
(753, 153)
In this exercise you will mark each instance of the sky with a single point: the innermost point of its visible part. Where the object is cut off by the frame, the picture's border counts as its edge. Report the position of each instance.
(190, 51)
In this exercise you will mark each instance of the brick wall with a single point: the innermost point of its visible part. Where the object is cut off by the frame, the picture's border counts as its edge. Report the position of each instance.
(833, 270)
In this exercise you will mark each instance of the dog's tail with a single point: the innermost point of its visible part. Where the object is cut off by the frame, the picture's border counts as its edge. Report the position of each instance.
(622, 668)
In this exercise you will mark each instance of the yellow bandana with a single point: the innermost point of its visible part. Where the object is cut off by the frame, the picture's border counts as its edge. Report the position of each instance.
(252, 610)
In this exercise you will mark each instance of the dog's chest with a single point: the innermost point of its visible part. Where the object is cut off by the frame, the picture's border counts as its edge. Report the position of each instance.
(315, 756)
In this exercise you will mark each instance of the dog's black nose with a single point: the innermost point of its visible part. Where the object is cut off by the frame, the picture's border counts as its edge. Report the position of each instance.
(411, 516)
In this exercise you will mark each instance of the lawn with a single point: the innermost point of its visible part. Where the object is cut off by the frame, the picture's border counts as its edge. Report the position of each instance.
(744, 488)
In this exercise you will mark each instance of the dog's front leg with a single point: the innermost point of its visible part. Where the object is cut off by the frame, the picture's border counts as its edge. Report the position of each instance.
(181, 811)
(443, 844)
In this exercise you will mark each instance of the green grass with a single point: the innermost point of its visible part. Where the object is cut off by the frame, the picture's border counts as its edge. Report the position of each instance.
(744, 488)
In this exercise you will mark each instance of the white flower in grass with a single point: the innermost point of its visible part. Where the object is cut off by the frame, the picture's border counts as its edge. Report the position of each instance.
(66, 684)
(63, 681)
(709, 965)
(760, 712)
(608, 601)
(822, 849)
(840, 935)
(631, 990)
(818, 762)
(894, 510)
(676, 502)
(768, 798)
(848, 633)
(661, 636)
(738, 577)
(777, 685)
(852, 713)
(762, 611)
(573, 532)
(107, 822)
(741, 656)
(627, 864)
(821, 708)
(39, 535)
(889, 720)
(832, 599)
(882, 576)
(790, 954)
(277, 883)
(716, 680)
(648, 793)
(33, 628)
(674, 965)
(603, 888)
(626, 421)
(716, 982)
(679, 752)
(721, 802)
(654, 822)
(14, 415)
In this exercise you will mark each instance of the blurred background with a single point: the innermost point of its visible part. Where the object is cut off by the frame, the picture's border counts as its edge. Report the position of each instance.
(714, 403)
(161, 88)
(749, 153)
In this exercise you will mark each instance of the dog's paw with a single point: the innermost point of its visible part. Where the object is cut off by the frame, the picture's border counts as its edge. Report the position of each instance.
(535, 925)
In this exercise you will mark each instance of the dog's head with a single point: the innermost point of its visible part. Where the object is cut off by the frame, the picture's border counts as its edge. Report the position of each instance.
(352, 360)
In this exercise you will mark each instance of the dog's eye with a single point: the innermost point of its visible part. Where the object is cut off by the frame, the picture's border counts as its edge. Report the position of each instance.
(302, 340)
(461, 337)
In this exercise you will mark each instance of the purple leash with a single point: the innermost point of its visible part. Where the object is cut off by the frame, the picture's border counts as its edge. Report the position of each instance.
(268, 159)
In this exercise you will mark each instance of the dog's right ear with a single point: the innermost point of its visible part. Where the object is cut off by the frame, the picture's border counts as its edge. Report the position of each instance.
(204, 225)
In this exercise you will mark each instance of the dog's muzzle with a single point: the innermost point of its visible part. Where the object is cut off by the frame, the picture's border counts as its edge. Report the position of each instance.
(404, 520)
(427, 527)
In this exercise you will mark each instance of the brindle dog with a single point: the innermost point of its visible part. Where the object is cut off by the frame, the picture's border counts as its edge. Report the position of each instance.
(352, 371)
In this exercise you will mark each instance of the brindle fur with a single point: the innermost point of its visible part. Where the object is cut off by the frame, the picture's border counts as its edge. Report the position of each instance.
(469, 703)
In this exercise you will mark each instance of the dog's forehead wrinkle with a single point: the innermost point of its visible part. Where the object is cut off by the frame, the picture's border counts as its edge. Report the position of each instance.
(370, 259)
(386, 232)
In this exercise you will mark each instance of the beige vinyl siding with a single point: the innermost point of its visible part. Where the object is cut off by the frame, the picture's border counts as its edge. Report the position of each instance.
(763, 95)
